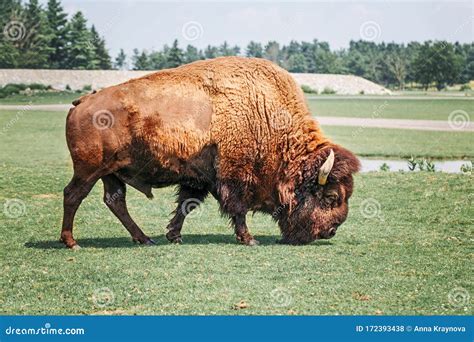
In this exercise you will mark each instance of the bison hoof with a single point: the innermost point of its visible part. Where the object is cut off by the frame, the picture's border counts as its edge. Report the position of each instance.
(253, 242)
(173, 238)
(249, 242)
(150, 242)
(145, 241)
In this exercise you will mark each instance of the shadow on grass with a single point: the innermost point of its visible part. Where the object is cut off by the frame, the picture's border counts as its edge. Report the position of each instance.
(190, 239)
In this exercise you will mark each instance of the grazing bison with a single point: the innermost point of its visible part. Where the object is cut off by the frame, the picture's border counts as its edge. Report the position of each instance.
(237, 128)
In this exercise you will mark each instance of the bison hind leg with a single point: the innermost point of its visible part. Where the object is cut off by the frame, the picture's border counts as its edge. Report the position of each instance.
(188, 200)
(74, 193)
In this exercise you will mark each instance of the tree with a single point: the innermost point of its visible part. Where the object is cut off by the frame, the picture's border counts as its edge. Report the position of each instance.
(157, 60)
(80, 51)
(102, 57)
(297, 63)
(211, 52)
(174, 56)
(11, 12)
(140, 60)
(191, 54)
(34, 48)
(121, 60)
(272, 52)
(254, 50)
(57, 20)
(436, 62)
(397, 66)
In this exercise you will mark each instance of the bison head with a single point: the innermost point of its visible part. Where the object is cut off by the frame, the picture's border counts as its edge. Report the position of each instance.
(319, 201)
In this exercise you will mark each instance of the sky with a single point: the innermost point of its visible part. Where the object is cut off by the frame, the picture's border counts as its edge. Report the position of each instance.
(151, 24)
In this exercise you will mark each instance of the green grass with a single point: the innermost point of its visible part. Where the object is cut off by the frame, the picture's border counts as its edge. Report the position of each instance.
(46, 130)
(62, 97)
(391, 108)
(399, 143)
(407, 259)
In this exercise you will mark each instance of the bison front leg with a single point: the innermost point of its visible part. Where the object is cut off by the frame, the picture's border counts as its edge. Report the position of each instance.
(242, 232)
(114, 198)
(232, 201)
(188, 200)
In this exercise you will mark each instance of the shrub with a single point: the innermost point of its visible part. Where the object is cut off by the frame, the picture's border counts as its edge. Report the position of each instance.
(465, 87)
(68, 87)
(10, 89)
(308, 90)
(423, 164)
(466, 168)
(384, 167)
(327, 91)
(38, 86)
(361, 92)
(87, 88)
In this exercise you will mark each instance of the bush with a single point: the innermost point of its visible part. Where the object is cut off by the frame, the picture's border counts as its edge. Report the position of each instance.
(38, 86)
(327, 91)
(87, 88)
(384, 167)
(11, 88)
(465, 87)
(308, 90)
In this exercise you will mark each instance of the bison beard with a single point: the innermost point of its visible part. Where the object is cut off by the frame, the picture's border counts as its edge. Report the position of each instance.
(235, 128)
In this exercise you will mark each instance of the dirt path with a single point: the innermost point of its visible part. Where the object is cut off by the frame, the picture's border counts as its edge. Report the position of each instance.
(423, 125)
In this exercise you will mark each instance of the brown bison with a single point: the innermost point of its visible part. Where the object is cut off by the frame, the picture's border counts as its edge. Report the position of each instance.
(237, 128)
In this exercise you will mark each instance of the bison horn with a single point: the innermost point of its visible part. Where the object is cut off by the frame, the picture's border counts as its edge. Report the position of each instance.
(326, 169)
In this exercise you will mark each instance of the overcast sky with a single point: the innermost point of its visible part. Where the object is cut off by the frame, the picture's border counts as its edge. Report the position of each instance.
(150, 24)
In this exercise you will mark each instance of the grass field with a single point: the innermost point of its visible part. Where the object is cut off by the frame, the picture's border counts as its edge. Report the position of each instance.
(41, 126)
(406, 247)
(62, 97)
(390, 108)
(400, 143)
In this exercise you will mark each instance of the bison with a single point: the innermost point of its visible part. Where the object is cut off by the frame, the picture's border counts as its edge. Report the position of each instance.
(237, 128)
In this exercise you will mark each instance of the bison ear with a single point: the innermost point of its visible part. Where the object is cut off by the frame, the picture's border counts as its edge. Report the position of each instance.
(343, 163)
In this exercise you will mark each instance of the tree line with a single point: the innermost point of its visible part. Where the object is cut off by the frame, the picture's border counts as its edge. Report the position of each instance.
(43, 38)
(37, 37)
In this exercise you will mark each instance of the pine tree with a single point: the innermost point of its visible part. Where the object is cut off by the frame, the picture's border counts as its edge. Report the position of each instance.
(80, 50)
(140, 60)
(11, 13)
(34, 48)
(254, 50)
(102, 57)
(191, 54)
(57, 20)
(174, 56)
(211, 52)
(121, 60)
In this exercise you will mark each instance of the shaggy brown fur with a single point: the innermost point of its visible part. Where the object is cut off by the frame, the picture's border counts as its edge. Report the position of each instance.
(237, 128)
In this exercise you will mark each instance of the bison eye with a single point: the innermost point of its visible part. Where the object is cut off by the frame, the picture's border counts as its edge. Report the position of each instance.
(331, 198)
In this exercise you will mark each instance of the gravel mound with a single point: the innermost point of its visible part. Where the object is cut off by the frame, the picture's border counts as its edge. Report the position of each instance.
(77, 79)
(341, 84)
